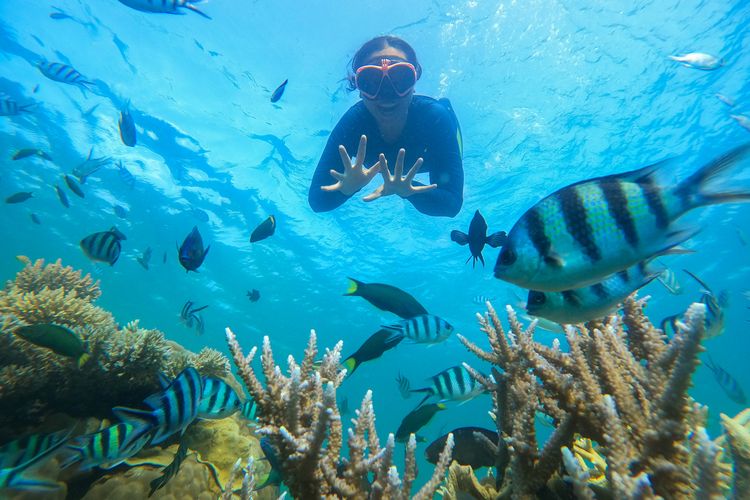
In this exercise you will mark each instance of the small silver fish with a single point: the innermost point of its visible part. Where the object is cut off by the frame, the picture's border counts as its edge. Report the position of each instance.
(63, 197)
(726, 100)
(73, 186)
(743, 120)
(699, 60)
(144, 259)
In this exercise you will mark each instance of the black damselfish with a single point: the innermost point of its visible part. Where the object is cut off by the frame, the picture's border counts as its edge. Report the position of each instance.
(374, 347)
(192, 253)
(387, 298)
(264, 230)
(477, 238)
(469, 448)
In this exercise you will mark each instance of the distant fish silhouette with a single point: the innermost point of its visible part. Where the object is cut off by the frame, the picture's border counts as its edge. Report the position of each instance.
(19, 197)
(477, 238)
(103, 246)
(25, 153)
(35, 219)
(9, 107)
(253, 295)
(127, 126)
(73, 186)
(62, 196)
(279, 91)
(163, 6)
(64, 73)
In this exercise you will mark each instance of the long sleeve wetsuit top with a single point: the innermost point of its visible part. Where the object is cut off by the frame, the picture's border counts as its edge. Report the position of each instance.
(431, 132)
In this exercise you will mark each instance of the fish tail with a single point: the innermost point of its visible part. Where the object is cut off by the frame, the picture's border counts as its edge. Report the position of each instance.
(353, 287)
(691, 190)
(83, 359)
(350, 364)
(196, 10)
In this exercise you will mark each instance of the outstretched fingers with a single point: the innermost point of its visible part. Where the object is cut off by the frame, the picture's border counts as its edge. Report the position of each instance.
(414, 169)
(361, 150)
(420, 189)
(345, 159)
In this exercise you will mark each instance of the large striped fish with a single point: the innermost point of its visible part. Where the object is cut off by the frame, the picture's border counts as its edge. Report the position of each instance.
(108, 447)
(9, 107)
(580, 305)
(19, 455)
(453, 384)
(103, 246)
(171, 410)
(218, 399)
(164, 6)
(423, 329)
(589, 230)
(63, 73)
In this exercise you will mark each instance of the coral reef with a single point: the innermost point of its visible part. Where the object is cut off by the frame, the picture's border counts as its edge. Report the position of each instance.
(124, 362)
(299, 415)
(737, 440)
(622, 384)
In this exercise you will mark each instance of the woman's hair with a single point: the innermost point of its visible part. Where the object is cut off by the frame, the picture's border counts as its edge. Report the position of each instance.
(376, 44)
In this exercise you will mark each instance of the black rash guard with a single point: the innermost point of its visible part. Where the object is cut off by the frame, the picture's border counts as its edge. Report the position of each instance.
(431, 132)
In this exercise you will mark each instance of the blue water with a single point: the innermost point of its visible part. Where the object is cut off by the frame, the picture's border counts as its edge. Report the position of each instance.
(547, 93)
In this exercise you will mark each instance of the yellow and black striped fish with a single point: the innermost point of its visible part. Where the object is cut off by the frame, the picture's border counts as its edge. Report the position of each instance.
(587, 231)
(103, 246)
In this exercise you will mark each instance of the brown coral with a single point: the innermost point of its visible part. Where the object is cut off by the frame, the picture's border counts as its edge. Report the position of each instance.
(622, 384)
(298, 413)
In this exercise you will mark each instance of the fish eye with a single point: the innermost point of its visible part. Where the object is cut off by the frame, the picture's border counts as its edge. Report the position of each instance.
(507, 256)
(536, 298)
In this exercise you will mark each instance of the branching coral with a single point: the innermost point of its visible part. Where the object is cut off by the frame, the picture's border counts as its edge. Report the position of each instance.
(621, 384)
(299, 415)
(123, 366)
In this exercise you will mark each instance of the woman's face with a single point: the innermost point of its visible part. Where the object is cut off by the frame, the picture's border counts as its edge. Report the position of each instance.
(389, 108)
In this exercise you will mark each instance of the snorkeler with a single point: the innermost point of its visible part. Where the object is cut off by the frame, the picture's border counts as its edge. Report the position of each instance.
(391, 127)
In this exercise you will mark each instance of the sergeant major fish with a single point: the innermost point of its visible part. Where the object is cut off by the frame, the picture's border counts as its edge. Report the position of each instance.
(171, 410)
(423, 329)
(477, 238)
(9, 107)
(18, 456)
(728, 383)
(108, 447)
(218, 399)
(580, 305)
(103, 246)
(63, 73)
(589, 230)
(714, 319)
(164, 6)
(452, 384)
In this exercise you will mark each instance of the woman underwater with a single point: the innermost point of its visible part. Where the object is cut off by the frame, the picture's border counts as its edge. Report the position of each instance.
(391, 127)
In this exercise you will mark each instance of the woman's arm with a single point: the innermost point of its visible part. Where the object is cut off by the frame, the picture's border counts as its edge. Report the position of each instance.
(448, 172)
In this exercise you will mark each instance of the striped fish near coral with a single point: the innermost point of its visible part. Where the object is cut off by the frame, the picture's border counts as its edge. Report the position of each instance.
(108, 447)
(583, 304)
(714, 319)
(589, 230)
(423, 329)
(103, 246)
(22, 454)
(452, 384)
(728, 383)
(64, 73)
(218, 399)
(171, 410)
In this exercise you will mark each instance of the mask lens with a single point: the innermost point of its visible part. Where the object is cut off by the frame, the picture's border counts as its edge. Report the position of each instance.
(402, 77)
(369, 80)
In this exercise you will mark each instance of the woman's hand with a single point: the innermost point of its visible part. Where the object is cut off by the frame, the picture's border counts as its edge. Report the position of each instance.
(355, 177)
(396, 183)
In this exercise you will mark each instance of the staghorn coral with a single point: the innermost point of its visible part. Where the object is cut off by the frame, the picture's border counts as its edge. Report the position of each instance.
(209, 362)
(737, 440)
(298, 413)
(622, 384)
(124, 362)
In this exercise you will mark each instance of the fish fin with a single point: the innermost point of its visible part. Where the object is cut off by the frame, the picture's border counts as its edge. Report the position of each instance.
(497, 239)
(163, 381)
(706, 288)
(395, 327)
(709, 362)
(353, 287)
(83, 358)
(691, 189)
(674, 239)
(196, 10)
(481, 259)
(31, 483)
(427, 396)
(554, 259)
(459, 237)
(394, 340)
(133, 416)
(205, 252)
